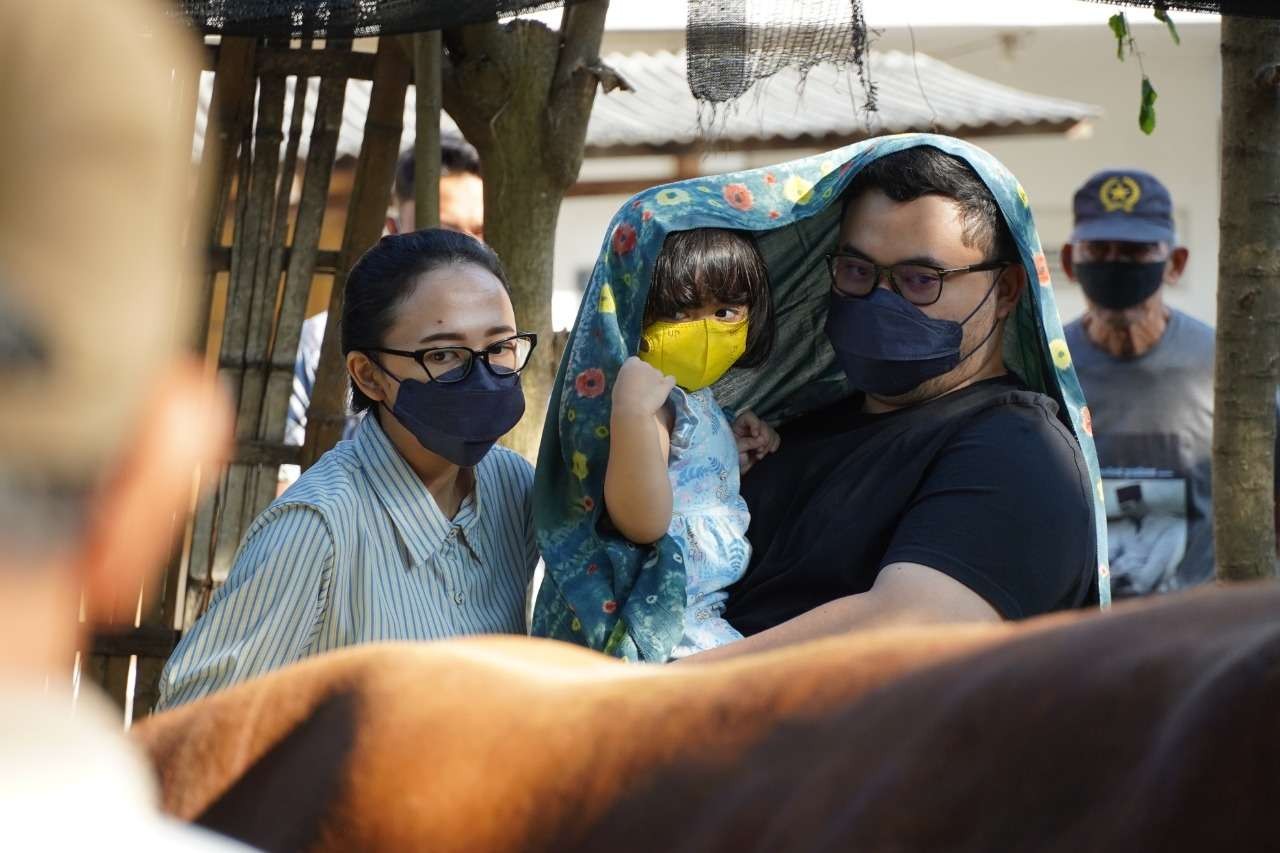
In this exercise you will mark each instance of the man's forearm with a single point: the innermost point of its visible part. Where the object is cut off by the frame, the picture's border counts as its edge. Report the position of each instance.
(903, 594)
(835, 617)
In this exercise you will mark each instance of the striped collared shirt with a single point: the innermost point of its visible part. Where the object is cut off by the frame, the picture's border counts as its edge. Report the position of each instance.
(357, 551)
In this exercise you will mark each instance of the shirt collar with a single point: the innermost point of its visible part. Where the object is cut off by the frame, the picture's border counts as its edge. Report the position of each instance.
(421, 525)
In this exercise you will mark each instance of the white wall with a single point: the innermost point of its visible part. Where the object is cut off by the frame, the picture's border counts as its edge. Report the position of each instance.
(1076, 62)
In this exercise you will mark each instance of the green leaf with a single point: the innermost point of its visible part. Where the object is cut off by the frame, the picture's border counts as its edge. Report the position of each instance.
(1162, 14)
(1120, 28)
(1147, 113)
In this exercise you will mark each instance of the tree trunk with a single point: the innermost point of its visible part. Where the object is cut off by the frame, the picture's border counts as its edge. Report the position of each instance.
(1248, 349)
(522, 94)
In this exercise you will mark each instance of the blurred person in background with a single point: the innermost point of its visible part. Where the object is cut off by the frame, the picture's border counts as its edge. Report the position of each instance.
(1147, 371)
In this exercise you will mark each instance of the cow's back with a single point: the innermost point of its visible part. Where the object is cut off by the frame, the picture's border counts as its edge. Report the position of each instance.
(490, 744)
(1151, 728)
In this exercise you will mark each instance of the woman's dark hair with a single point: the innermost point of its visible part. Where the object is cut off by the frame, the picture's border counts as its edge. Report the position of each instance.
(924, 170)
(715, 265)
(384, 277)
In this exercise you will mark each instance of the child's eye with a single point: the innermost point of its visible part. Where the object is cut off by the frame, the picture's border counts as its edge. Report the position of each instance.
(730, 314)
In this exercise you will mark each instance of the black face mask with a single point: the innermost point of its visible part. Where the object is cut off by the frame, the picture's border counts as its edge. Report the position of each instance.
(887, 346)
(1119, 284)
(459, 421)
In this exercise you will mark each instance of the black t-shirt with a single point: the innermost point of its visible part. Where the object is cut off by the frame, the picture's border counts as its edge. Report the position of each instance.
(985, 485)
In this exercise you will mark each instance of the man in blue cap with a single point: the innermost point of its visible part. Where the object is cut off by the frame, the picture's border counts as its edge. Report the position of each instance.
(1147, 372)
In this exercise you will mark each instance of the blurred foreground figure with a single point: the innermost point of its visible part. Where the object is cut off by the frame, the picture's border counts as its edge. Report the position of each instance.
(104, 421)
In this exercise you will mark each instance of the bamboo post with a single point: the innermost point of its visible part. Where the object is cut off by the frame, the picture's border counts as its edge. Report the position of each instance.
(427, 52)
(227, 143)
(219, 521)
(263, 478)
(249, 312)
(261, 237)
(366, 215)
(303, 252)
(230, 110)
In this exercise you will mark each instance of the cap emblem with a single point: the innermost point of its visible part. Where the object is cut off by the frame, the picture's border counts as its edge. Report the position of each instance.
(1120, 193)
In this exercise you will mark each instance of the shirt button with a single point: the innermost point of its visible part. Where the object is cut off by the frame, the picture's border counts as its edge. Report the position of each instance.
(458, 597)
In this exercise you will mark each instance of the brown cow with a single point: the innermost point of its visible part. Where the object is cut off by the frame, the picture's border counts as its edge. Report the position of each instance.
(489, 744)
(1155, 729)
(1125, 731)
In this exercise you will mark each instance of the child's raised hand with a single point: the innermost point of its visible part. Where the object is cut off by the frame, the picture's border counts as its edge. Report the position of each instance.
(640, 389)
(755, 439)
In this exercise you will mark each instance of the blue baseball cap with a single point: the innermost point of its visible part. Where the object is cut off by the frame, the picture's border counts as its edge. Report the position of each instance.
(1123, 204)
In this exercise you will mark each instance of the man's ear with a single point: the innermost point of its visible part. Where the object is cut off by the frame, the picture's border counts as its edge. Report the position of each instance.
(367, 376)
(1068, 261)
(141, 508)
(1177, 265)
(1011, 284)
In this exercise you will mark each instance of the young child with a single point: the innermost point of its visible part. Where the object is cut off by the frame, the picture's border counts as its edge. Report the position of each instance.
(674, 459)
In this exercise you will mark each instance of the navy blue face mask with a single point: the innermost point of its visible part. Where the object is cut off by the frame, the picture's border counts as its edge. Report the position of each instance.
(887, 346)
(460, 421)
(1120, 284)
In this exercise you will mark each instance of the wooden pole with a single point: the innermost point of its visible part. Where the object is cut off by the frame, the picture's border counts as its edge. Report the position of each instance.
(263, 478)
(1248, 348)
(427, 53)
(235, 60)
(230, 111)
(304, 252)
(247, 324)
(365, 218)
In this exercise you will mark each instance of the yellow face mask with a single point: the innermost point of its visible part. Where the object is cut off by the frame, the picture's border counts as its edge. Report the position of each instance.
(695, 352)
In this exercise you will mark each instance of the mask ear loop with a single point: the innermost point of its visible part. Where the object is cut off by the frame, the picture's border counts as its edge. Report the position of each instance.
(975, 310)
(399, 381)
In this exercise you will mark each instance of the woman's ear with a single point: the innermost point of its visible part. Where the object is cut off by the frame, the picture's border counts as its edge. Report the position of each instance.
(1012, 282)
(368, 377)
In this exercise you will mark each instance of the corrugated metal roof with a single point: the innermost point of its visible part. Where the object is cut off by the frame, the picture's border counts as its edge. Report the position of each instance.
(914, 93)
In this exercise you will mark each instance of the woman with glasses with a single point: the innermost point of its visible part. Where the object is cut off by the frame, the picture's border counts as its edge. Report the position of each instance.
(419, 527)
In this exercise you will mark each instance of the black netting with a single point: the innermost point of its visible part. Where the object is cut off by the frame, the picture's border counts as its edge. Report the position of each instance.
(732, 44)
(338, 18)
(1245, 8)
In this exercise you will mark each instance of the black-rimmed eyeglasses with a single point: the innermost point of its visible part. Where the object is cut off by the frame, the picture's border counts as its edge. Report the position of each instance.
(855, 276)
(453, 364)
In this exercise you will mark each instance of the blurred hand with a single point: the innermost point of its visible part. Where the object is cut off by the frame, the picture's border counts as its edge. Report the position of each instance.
(755, 439)
(640, 389)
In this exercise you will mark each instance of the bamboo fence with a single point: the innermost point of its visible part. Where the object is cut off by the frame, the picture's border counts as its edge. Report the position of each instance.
(247, 175)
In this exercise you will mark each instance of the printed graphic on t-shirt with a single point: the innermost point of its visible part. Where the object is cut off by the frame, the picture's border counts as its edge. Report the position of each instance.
(1146, 528)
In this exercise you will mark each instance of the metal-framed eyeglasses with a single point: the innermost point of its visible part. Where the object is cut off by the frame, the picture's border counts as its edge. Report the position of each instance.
(506, 357)
(854, 276)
